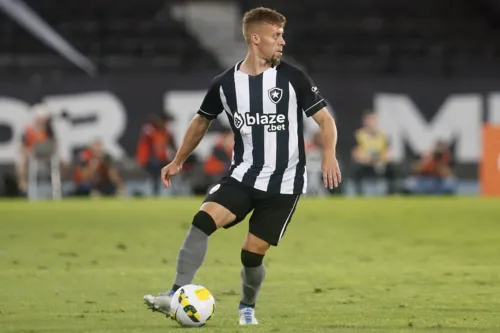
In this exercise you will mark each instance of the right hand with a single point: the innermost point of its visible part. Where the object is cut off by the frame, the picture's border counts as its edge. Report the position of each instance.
(168, 172)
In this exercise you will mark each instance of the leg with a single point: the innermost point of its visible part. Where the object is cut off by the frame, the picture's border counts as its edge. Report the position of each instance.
(390, 177)
(361, 171)
(227, 204)
(253, 271)
(268, 224)
(209, 218)
(253, 274)
(156, 186)
(153, 169)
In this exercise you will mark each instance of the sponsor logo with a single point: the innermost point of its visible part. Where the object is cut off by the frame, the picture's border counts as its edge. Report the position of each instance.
(275, 122)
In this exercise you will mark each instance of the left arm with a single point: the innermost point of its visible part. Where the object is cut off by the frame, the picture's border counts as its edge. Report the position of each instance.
(328, 130)
(314, 105)
(330, 166)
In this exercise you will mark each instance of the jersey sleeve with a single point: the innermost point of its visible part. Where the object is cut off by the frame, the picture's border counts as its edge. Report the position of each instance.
(308, 95)
(211, 106)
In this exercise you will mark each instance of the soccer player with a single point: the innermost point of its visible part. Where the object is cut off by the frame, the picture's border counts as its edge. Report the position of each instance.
(265, 100)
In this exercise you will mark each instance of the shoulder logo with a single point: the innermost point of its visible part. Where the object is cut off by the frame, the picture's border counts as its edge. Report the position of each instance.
(215, 188)
(275, 94)
(314, 89)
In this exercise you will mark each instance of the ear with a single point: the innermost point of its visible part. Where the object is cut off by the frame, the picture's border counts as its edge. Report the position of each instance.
(255, 39)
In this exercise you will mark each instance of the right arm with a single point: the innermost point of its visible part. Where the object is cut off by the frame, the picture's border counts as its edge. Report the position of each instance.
(192, 138)
(210, 108)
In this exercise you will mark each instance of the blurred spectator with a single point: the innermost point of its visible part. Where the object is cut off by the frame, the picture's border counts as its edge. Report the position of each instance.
(371, 154)
(152, 154)
(433, 173)
(96, 174)
(39, 132)
(218, 162)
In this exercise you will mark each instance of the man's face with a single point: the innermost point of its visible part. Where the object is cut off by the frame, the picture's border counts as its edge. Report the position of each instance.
(270, 42)
(370, 121)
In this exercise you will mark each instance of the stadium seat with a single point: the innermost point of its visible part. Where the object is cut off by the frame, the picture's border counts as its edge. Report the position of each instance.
(138, 32)
(417, 37)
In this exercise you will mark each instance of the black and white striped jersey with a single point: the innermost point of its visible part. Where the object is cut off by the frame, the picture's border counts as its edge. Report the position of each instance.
(265, 113)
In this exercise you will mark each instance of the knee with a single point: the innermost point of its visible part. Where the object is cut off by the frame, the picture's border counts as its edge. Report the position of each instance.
(203, 221)
(251, 259)
(255, 244)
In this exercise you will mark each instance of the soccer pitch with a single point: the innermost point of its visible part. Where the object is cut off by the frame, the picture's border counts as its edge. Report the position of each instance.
(345, 265)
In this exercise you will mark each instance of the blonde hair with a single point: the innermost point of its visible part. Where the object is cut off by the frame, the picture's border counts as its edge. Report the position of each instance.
(261, 15)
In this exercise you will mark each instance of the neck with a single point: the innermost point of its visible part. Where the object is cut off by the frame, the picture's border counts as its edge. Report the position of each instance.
(254, 64)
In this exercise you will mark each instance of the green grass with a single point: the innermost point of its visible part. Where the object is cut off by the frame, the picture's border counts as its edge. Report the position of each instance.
(345, 265)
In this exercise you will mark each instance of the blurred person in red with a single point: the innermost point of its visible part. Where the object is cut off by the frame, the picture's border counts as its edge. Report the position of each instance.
(218, 162)
(432, 173)
(371, 154)
(155, 141)
(95, 173)
(38, 132)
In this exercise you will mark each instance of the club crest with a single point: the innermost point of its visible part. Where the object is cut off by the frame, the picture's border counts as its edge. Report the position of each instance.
(275, 94)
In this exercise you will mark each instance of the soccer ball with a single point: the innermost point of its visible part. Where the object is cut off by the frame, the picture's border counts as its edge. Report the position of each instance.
(192, 305)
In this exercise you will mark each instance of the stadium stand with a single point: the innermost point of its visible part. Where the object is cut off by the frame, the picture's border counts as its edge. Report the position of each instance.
(424, 37)
(427, 37)
(127, 35)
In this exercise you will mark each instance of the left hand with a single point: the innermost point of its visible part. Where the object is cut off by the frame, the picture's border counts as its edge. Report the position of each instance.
(331, 171)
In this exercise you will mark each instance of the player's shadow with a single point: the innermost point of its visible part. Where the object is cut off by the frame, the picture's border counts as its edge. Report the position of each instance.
(208, 326)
